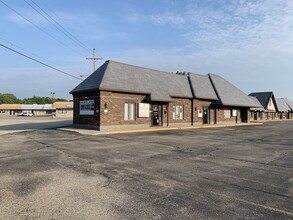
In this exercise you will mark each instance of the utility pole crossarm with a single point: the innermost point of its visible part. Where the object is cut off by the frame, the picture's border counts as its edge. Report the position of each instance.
(94, 58)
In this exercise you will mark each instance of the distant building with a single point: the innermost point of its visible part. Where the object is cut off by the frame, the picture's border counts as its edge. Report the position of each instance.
(63, 109)
(10, 109)
(269, 104)
(271, 108)
(57, 109)
(38, 109)
(283, 109)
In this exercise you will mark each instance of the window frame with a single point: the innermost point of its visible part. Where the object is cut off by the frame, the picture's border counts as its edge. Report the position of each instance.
(129, 115)
(178, 112)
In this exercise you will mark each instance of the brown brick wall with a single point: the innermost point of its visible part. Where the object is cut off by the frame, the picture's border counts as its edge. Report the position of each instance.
(109, 110)
(112, 108)
(232, 119)
(186, 103)
(202, 103)
(93, 120)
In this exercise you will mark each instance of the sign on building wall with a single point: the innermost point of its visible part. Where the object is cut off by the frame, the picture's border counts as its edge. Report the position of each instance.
(143, 110)
(199, 111)
(86, 107)
(234, 112)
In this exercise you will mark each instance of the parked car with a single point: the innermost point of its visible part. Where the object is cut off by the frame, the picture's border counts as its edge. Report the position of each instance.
(28, 114)
(25, 114)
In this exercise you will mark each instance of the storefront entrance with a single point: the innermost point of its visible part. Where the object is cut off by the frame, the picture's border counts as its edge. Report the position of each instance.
(156, 117)
(206, 115)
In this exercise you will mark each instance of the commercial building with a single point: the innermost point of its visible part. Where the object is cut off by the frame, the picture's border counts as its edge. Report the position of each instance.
(10, 109)
(123, 96)
(57, 109)
(63, 109)
(271, 108)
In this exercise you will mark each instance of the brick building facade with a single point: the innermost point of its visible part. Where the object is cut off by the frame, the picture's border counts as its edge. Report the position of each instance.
(122, 96)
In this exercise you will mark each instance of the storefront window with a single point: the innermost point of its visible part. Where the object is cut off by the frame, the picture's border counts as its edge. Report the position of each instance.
(178, 112)
(129, 111)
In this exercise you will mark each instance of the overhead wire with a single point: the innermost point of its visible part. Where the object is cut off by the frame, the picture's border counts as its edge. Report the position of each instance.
(40, 62)
(27, 51)
(56, 24)
(39, 28)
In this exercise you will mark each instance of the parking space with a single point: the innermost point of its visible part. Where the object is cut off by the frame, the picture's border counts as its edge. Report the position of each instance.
(217, 173)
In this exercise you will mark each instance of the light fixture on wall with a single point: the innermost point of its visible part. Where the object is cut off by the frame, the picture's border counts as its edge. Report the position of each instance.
(106, 108)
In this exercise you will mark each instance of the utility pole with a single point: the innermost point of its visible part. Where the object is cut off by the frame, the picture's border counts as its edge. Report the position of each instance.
(53, 93)
(94, 58)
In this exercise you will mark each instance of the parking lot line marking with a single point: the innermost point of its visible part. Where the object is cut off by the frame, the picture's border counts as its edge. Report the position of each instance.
(285, 212)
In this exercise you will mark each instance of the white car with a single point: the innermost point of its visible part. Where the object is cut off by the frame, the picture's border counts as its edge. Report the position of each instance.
(25, 114)
(28, 114)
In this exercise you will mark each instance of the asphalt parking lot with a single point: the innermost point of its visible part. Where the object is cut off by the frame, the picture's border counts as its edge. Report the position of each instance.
(12, 124)
(216, 173)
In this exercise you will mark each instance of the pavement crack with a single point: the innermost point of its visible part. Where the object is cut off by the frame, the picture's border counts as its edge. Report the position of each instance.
(249, 161)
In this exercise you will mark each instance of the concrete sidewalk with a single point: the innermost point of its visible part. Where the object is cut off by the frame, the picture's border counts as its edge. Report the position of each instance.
(152, 129)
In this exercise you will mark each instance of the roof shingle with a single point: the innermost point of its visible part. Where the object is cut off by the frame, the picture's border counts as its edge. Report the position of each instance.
(115, 76)
(228, 94)
(202, 87)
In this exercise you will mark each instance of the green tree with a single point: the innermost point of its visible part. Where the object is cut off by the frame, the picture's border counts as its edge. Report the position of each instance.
(41, 100)
(7, 98)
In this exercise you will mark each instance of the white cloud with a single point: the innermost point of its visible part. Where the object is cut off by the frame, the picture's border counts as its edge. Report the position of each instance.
(168, 18)
(233, 23)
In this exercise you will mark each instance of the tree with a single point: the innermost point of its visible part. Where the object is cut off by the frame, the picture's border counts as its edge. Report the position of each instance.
(41, 100)
(181, 73)
(12, 99)
(7, 98)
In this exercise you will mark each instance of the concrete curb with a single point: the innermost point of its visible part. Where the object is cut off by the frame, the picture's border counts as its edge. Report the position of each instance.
(95, 132)
(183, 128)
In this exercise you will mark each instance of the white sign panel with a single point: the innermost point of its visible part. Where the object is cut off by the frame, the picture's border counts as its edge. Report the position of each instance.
(86, 107)
(234, 112)
(143, 110)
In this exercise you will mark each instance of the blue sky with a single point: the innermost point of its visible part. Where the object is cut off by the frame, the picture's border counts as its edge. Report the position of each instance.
(248, 42)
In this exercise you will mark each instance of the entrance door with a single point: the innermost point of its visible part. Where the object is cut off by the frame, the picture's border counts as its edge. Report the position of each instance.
(156, 115)
(244, 115)
(205, 115)
(255, 115)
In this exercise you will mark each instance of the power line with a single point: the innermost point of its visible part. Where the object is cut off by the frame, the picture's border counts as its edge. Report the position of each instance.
(21, 48)
(63, 28)
(39, 28)
(56, 24)
(44, 64)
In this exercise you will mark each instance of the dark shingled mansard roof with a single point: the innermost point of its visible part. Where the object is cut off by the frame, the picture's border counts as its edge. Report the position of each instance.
(282, 105)
(115, 76)
(228, 94)
(162, 86)
(264, 98)
(202, 87)
(257, 103)
(289, 103)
